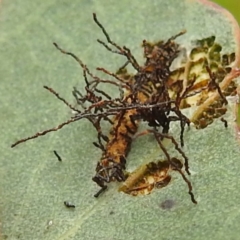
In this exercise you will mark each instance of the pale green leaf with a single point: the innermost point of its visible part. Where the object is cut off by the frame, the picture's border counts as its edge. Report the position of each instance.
(34, 184)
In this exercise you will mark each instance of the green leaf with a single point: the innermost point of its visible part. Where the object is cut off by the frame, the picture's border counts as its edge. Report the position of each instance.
(34, 184)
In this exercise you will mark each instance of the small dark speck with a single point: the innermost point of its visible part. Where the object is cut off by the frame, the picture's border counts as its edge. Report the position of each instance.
(111, 213)
(58, 156)
(69, 205)
(167, 204)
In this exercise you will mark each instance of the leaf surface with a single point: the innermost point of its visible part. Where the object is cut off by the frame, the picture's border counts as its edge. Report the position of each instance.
(34, 184)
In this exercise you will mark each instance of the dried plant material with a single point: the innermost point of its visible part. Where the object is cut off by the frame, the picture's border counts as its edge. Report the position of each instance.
(203, 71)
(153, 175)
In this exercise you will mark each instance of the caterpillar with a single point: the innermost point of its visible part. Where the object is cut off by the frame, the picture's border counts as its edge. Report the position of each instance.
(155, 94)
(147, 86)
